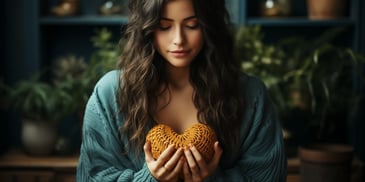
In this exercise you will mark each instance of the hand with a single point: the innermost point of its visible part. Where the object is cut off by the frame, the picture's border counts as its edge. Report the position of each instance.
(195, 168)
(168, 166)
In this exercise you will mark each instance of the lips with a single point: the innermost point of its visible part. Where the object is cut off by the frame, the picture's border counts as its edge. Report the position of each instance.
(179, 53)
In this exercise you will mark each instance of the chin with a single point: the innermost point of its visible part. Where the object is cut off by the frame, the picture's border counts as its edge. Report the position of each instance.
(179, 63)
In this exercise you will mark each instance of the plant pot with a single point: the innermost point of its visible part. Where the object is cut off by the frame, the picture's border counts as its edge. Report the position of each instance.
(326, 9)
(325, 163)
(38, 137)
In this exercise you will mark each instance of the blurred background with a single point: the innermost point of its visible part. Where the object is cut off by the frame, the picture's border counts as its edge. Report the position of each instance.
(309, 53)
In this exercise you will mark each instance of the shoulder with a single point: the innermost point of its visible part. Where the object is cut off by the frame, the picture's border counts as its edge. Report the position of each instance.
(108, 82)
(253, 88)
(104, 95)
(259, 108)
(107, 85)
(102, 103)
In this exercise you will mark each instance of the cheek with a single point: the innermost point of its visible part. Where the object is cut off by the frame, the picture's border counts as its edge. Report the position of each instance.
(158, 42)
(197, 40)
(161, 45)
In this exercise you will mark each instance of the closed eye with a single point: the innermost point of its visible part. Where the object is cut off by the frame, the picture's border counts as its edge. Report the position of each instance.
(192, 24)
(164, 27)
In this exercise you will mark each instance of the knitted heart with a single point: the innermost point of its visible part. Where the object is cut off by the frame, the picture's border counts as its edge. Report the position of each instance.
(199, 135)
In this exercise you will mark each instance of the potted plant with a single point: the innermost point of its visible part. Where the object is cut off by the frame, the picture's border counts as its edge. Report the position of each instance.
(105, 56)
(68, 74)
(327, 73)
(300, 73)
(41, 106)
(310, 82)
(78, 77)
(103, 59)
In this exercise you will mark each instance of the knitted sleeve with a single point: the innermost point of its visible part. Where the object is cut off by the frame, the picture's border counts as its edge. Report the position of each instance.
(260, 153)
(101, 157)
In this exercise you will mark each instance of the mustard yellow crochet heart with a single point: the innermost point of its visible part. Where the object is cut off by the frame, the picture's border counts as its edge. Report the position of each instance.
(199, 135)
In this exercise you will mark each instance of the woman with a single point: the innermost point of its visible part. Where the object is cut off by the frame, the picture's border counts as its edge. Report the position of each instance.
(178, 69)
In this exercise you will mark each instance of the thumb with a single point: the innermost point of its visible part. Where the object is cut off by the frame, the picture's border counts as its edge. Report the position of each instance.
(147, 152)
(217, 153)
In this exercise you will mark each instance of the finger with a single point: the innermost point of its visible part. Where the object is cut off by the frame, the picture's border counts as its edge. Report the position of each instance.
(148, 153)
(217, 154)
(202, 165)
(170, 164)
(166, 155)
(186, 171)
(198, 157)
(179, 166)
(175, 173)
(191, 161)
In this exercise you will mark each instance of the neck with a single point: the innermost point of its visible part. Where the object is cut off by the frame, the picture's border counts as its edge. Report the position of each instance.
(178, 78)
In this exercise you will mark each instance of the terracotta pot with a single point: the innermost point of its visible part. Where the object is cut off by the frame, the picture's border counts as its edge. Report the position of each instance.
(326, 9)
(38, 137)
(325, 163)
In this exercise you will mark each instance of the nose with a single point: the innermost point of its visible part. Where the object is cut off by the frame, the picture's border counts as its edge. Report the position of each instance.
(179, 37)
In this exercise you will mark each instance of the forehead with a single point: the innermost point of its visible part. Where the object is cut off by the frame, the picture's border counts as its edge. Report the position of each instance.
(178, 8)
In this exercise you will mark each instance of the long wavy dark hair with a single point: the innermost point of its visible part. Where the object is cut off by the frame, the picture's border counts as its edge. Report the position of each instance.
(215, 76)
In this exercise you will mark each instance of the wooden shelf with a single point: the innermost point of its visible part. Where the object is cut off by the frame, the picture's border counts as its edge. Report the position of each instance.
(16, 163)
(18, 159)
(18, 166)
(84, 20)
(299, 21)
(293, 165)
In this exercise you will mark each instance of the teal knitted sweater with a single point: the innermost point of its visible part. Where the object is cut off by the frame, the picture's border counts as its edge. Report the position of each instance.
(259, 156)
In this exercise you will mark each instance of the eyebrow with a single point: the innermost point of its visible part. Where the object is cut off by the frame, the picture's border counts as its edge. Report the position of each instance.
(185, 19)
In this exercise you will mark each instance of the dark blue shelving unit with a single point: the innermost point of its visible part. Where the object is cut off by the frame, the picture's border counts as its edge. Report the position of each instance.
(37, 38)
(84, 20)
(293, 22)
(47, 34)
(34, 38)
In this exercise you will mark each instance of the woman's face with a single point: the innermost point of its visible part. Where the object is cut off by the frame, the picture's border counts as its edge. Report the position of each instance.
(178, 37)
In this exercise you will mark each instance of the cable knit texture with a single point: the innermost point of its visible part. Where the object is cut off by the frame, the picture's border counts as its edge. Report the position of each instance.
(259, 155)
(199, 135)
